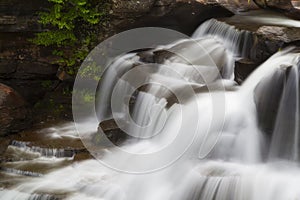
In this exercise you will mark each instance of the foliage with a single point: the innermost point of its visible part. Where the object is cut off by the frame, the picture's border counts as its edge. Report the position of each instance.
(46, 84)
(73, 26)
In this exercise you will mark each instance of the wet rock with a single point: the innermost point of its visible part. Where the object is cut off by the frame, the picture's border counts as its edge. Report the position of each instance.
(20, 172)
(14, 112)
(125, 8)
(161, 7)
(112, 131)
(243, 68)
(277, 33)
(285, 6)
(184, 17)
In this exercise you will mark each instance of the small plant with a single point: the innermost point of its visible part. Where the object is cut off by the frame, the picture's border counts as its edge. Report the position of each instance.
(46, 84)
(73, 27)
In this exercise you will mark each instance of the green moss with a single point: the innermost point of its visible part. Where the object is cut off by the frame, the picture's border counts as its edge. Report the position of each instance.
(46, 84)
(72, 29)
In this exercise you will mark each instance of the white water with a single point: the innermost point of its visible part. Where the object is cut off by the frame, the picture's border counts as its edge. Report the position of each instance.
(235, 169)
(265, 17)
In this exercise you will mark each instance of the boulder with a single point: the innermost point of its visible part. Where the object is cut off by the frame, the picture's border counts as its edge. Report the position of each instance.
(243, 68)
(284, 6)
(113, 132)
(184, 17)
(279, 33)
(14, 112)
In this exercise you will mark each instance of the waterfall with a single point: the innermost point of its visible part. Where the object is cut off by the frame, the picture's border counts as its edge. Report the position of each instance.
(287, 122)
(238, 42)
(194, 134)
(281, 70)
(47, 152)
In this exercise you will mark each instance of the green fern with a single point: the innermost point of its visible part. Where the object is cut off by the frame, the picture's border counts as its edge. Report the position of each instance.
(71, 29)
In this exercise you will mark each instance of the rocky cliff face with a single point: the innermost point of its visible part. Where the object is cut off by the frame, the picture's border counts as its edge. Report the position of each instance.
(24, 66)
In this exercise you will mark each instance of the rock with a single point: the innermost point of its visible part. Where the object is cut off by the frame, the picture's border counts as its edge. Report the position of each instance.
(113, 132)
(277, 33)
(63, 75)
(162, 7)
(243, 68)
(279, 4)
(35, 70)
(285, 6)
(163, 2)
(31, 90)
(8, 20)
(20, 16)
(125, 8)
(237, 6)
(56, 103)
(7, 68)
(184, 17)
(14, 112)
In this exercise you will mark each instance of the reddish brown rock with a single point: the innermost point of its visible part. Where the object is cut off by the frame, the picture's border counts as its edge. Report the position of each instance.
(14, 113)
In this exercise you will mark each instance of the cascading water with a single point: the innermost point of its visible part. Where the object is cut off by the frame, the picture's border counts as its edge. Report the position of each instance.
(236, 168)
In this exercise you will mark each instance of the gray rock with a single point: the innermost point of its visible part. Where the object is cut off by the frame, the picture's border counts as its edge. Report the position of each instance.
(277, 33)
(125, 8)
